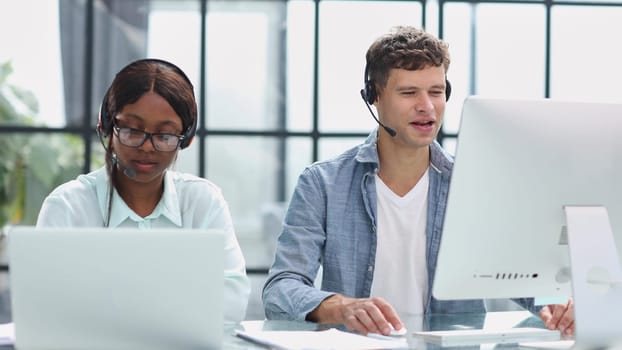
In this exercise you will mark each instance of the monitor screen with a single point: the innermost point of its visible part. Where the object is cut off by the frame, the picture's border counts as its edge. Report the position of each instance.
(519, 164)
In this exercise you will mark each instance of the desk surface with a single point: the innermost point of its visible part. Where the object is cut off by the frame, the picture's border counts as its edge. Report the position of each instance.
(493, 320)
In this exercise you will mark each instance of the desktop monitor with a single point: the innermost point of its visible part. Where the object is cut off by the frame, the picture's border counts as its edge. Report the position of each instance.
(535, 208)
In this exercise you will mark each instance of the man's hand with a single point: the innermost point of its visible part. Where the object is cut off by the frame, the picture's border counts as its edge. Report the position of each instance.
(560, 317)
(366, 315)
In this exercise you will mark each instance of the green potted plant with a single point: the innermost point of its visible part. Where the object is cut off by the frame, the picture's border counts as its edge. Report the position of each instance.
(31, 164)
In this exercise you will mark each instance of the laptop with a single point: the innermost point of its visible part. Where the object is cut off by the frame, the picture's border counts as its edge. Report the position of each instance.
(96, 288)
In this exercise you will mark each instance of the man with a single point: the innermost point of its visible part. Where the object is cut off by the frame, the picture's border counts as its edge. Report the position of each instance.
(373, 216)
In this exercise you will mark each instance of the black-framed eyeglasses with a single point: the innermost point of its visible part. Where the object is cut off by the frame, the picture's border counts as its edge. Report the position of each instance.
(161, 141)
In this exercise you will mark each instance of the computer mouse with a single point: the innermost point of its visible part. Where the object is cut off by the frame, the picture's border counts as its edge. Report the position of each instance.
(397, 333)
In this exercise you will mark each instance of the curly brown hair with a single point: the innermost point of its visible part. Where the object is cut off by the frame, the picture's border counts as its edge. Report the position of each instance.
(404, 47)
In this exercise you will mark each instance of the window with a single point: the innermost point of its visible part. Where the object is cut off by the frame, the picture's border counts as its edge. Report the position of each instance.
(277, 82)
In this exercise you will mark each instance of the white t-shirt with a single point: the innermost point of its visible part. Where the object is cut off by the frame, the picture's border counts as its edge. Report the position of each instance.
(400, 273)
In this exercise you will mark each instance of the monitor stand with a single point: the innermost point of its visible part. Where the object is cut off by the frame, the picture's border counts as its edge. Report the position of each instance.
(596, 277)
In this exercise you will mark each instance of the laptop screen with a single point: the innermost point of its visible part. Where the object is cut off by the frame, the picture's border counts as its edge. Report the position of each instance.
(116, 288)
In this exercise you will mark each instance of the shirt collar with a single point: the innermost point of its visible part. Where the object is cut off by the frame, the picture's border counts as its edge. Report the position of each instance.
(440, 159)
(368, 152)
(168, 206)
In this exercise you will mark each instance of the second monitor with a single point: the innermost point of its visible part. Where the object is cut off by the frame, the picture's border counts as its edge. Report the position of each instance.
(535, 207)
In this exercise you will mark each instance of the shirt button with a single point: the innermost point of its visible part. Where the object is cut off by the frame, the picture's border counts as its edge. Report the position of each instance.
(370, 268)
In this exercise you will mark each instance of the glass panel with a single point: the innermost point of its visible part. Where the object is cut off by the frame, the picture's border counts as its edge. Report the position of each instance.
(342, 56)
(244, 65)
(509, 57)
(510, 53)
(332, 147)
(585, 58)
(33, 164)
(457, 32)
(255, 183)
(299, 60)
(30, 62)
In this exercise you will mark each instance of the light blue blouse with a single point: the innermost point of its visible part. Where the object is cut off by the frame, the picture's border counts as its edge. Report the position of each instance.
(187, 202)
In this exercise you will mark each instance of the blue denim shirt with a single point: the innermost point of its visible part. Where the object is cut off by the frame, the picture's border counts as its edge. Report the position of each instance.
(331, 221)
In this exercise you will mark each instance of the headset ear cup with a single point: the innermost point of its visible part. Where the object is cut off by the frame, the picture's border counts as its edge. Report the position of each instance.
(447, 90)
(187, 142)
(189, 134)
(370, 92)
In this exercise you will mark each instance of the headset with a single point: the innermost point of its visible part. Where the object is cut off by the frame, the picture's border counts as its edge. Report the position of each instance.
(369, 90)
(104, 121)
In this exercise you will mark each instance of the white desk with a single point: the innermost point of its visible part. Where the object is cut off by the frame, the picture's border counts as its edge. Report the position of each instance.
(493, 320)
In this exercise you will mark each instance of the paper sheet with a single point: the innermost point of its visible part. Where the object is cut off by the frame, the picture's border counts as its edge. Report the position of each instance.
(556, 345)
(321, 340)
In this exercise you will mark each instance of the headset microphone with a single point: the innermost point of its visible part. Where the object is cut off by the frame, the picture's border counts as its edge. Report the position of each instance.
(129, 172)
(388, 129)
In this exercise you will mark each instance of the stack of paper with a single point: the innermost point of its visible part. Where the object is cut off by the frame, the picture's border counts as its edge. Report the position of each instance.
(321, 340)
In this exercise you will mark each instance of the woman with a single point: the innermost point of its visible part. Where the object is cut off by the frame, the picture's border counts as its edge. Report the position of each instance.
(148, 114)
